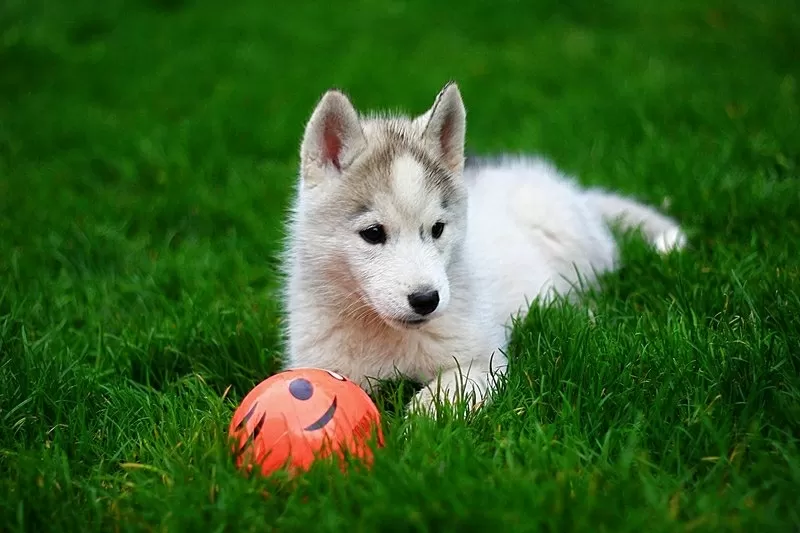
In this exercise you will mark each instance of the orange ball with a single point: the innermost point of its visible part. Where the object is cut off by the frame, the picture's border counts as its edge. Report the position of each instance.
(296, 416)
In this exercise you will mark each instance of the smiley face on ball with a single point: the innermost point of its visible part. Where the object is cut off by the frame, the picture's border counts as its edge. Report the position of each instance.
(302, 389)
(299, 414)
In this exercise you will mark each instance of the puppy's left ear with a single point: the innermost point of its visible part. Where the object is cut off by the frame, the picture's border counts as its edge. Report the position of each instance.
(333, 139)
(446, 127)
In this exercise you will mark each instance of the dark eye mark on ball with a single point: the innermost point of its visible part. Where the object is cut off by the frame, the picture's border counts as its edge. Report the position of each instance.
(301, 389)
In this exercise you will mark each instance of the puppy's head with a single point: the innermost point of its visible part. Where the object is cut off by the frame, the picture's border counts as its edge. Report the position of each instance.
(385, 200)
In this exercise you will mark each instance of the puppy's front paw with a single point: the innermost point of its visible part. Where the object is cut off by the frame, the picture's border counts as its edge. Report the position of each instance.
(671, 240)
(450, 393)
(423, 403)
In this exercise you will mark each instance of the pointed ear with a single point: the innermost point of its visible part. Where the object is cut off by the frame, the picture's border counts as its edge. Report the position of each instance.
(332, 140)
(446, 126)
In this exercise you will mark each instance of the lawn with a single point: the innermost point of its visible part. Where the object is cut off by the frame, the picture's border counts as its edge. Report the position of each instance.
(148, 150)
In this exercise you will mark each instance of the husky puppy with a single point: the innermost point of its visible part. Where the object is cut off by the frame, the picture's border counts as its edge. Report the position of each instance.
(402, 260)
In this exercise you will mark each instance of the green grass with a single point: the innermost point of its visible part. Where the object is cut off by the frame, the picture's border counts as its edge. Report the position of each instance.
(147, 152)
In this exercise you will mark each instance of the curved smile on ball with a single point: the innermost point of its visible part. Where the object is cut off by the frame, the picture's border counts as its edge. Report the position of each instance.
(326, 417)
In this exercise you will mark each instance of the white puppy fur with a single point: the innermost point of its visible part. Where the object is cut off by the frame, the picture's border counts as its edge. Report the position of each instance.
(401, 260)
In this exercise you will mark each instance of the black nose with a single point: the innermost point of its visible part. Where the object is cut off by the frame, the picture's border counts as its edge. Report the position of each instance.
(424, 303)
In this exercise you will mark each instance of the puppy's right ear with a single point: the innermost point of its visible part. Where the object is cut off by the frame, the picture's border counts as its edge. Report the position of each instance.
(332, 140)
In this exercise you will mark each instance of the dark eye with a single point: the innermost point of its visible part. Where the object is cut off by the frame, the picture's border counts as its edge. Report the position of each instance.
(437, 230)
(374, 234)
(301, 388)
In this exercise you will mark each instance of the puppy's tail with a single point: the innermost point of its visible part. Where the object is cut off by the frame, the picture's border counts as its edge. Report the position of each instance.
(660, 230)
